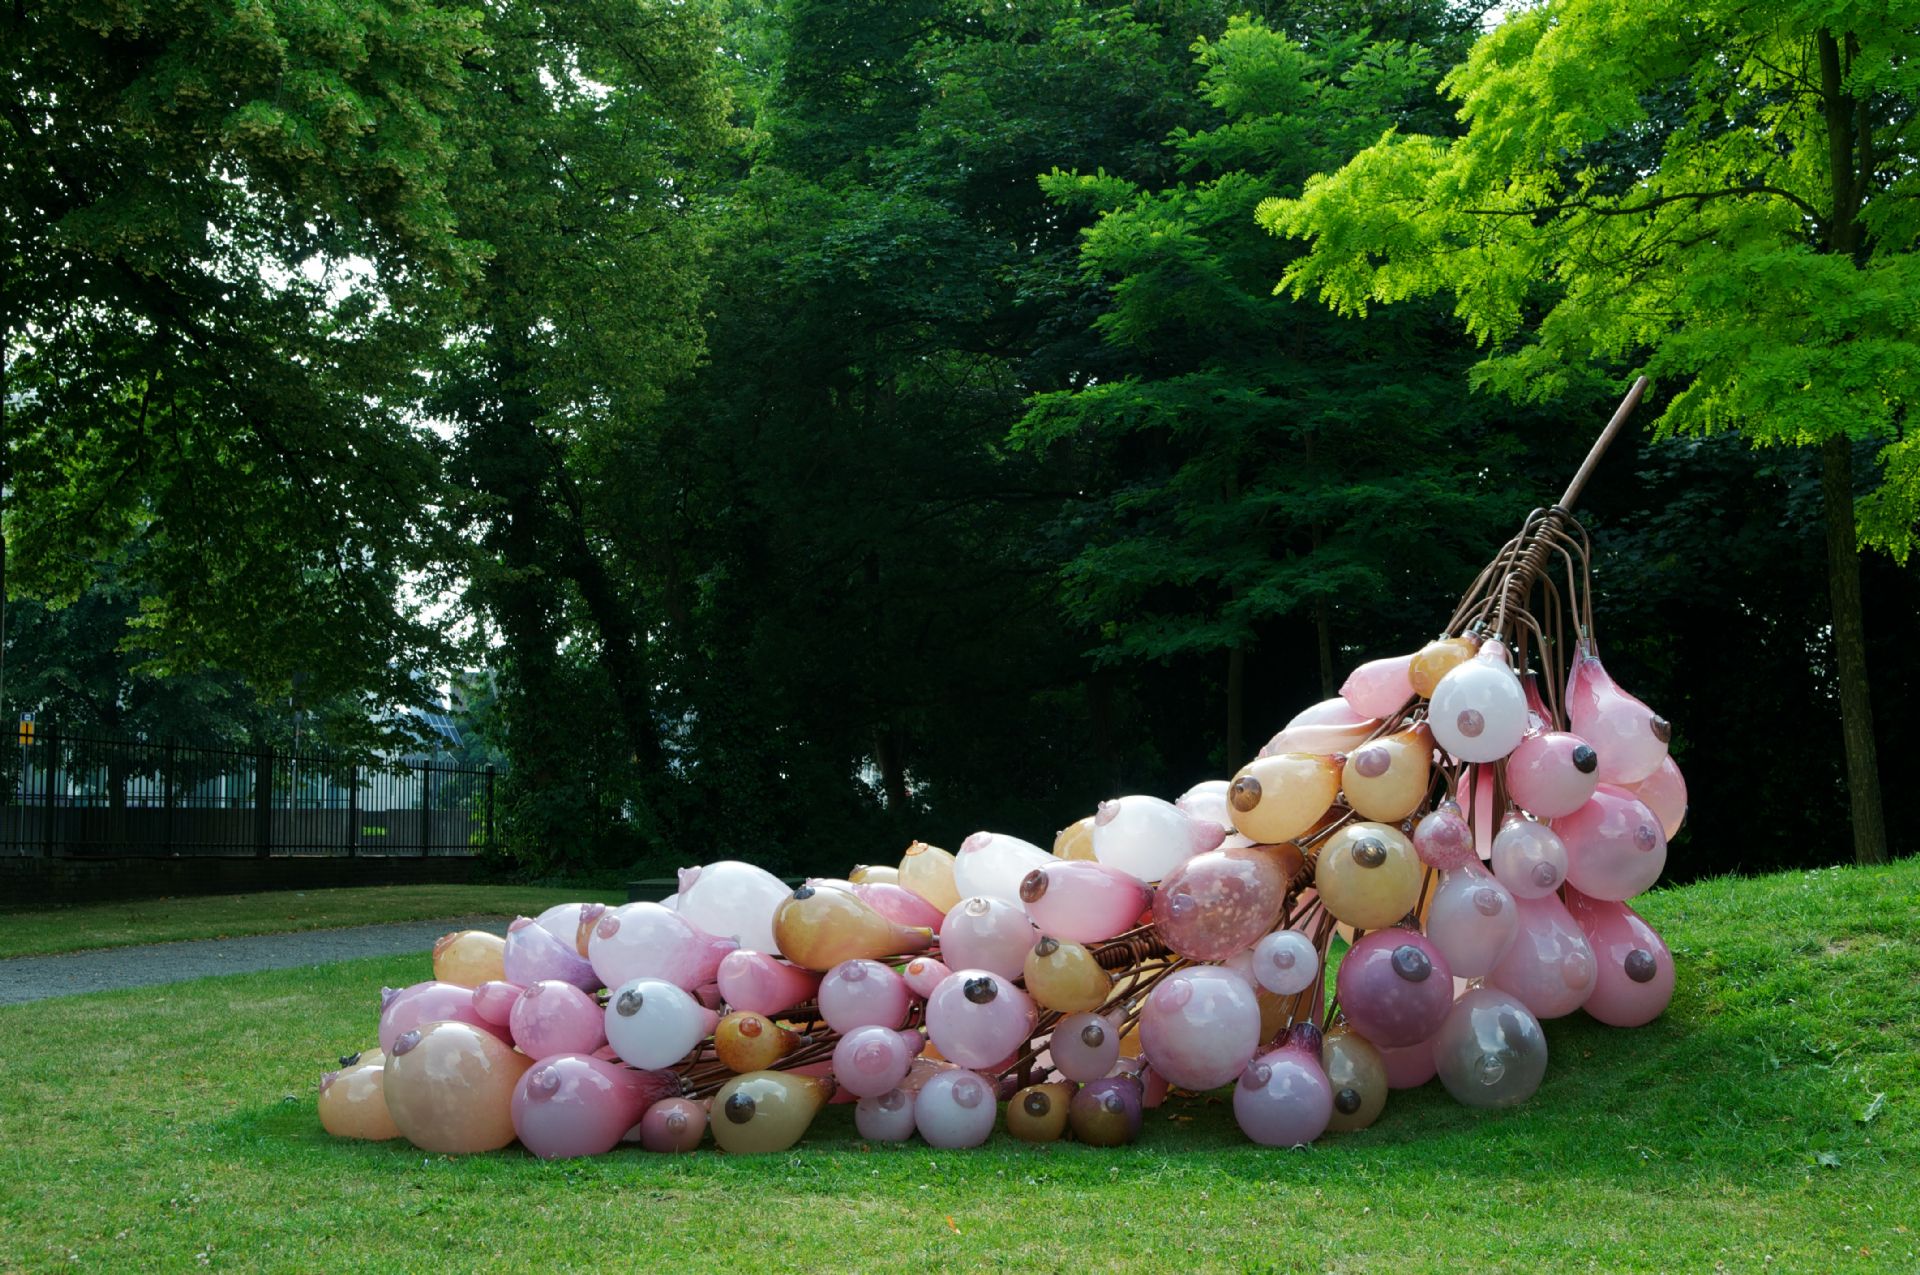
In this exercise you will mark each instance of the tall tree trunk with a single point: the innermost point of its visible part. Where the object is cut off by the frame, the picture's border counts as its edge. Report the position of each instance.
(1850, 653)
(1236, 710)
(1323, 632)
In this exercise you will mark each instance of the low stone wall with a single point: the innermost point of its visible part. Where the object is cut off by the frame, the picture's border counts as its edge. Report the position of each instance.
(32, 882)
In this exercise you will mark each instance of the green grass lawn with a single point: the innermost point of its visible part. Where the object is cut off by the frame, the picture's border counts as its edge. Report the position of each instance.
(30, 933)
(1770, 1121)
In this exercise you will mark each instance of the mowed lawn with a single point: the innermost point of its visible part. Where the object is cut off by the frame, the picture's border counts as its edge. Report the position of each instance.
(1770, 1121)
(32, 933)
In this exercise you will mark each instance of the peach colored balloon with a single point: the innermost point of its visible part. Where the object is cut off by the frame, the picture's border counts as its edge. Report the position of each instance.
(353, 1103)
(469, 958)
(449, 1087)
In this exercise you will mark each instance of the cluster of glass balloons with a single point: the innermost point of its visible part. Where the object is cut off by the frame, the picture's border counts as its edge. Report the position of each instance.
(1477, 855)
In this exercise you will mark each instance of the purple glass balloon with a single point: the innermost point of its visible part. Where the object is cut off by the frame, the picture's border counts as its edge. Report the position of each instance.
(1552, 773)
(572, 1104)
(1472, 920)
(645, 940)
(1283, 1098)
(494, 1000)
(534, 954)
(955, 1109)
(403, 1010)
(923, 974)
(1616, 846)
(1084, 1046)
(1635, 980)
(1443, 839)
(1082, 901)
(552, 1017)
(1217, 903)
(978, 1018)
(673, 1126)
(1107, 1112)
(1528, 858)
(1200, 1026)
(988, 934)
(763, 984)
(1550, 968)
(863, 994)
(887, 1118)
(1395, 987)
(869, 1061)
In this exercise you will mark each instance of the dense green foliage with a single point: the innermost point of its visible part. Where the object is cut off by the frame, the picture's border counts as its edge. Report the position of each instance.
(807, 425)
(1765, 1122)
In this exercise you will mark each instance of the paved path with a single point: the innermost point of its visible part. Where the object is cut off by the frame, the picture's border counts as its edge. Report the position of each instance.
(32, 978)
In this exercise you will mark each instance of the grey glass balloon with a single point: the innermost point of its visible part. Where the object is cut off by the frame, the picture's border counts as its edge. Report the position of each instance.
(1490, 1051)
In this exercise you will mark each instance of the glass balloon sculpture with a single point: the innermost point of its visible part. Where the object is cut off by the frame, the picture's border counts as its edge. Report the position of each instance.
(1468, 821)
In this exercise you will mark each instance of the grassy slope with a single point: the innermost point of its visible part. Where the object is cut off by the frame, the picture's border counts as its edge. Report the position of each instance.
(173, 1127)
(29, 933)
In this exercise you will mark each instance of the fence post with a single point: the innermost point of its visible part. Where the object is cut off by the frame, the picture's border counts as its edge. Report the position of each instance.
(353, 810)
(426, 808)
(263, 804)
(167, 765)
(49, 810)
(489, 834)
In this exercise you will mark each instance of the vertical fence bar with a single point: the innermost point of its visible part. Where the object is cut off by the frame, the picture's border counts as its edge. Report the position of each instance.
(426, 808)
(353, 810)
(263, 804)
(488, 843)
(50, 765)
(169, 762)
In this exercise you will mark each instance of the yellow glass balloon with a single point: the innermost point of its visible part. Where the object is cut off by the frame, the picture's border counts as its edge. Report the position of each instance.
(1386, 780)
(353, 1103)
(1359, 1078)
(1065, 977)
(928, 872)
(817, 928)
(874, 874)
(469, 958)
(747, 1041)
(449, 1088)
(1278, 798)
(1435, 660)
(1367, 875)
(1038, 1113)
(766, 1111)
(1075, 841)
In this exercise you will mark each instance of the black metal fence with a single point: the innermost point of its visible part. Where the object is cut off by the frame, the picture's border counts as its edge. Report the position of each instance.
(77, 796)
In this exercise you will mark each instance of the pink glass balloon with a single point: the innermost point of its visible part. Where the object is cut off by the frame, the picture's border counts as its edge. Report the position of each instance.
(1220, 902)
(1528, 858)
(1395, 987)
(645, 940)
(493, 1001)
(1479, 795)
(988, 934)
(1146, 838)
(1665, 793)
(1490, 1052)
(899, 904)
(1635, 982)
(1285, 962)
(562, 920)
(1629, 737)
(1443, 839)
(978, 1018)
(923, 974)
(1200, 1026)
(573, 1105)
(1082, 901)
(1283, 1098)
(955, 1109)
(1207, 800)
(1479, 712)
(1616, 847)
(1550, 967)
(1472, 919)
(552, 1017)
(887, 1118)
(403, 1010)
(1329, 727)
(1408, 1066)
(1379, 687)
(993, 864)
(1552, 773)
(652, 1024)
(863, 994)
(870, 1061)
(449, 1088)
(533, 954)
(673, 1126)
(1084, 1046)
(761, 984)
(732, 900)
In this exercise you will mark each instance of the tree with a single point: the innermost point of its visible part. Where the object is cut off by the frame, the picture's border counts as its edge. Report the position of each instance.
(1727, 193)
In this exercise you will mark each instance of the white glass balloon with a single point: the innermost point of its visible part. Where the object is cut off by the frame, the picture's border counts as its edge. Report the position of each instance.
(992, 864)
(1472, 919)
(733, 900)
(1479, 710)
(1147, 837)
(652, 1024)
(1285, 962)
